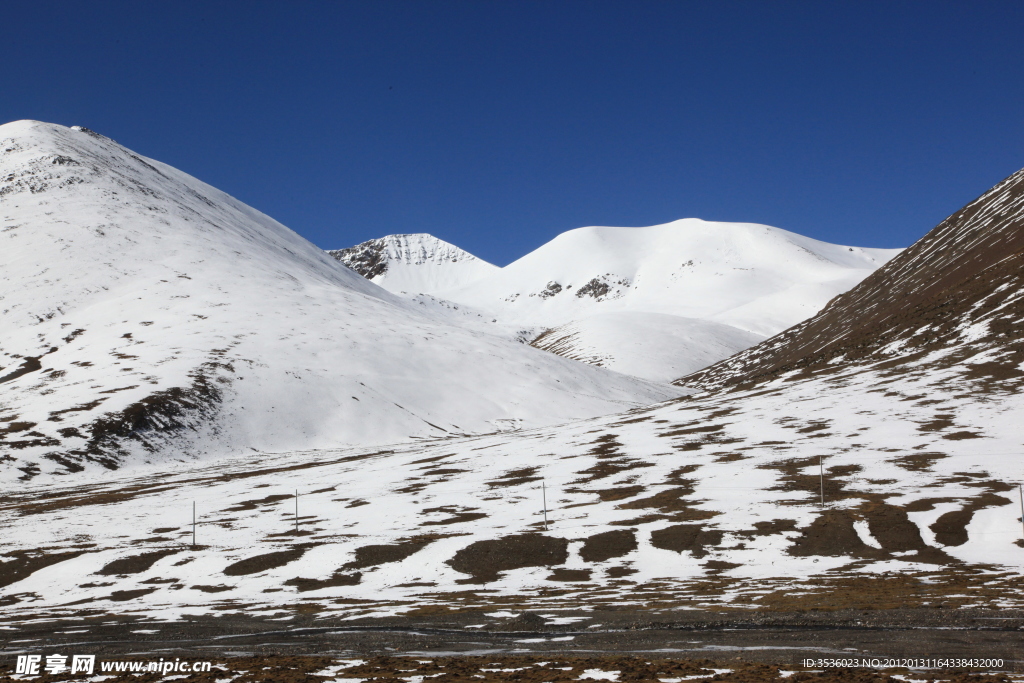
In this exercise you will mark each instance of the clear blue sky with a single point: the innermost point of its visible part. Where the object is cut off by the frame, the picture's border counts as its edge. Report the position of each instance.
(497, 125)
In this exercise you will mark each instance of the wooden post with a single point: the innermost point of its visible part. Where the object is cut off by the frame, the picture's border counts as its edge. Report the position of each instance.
(544, 494)
(1020, 488)
(821, 475)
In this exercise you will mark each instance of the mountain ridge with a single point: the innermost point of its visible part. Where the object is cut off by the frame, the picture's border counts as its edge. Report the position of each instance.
(704, 290)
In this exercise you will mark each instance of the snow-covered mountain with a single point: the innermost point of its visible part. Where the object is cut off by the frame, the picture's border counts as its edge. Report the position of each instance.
(708, 289)
(414, 264)
(754, 277)
(867, 459)
(146, 316)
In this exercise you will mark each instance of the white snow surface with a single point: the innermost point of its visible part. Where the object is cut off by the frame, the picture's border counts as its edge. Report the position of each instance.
(129, 282)
(655, 346)
(710, 289)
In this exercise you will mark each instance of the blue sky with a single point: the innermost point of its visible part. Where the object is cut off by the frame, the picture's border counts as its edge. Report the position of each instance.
(498, 125)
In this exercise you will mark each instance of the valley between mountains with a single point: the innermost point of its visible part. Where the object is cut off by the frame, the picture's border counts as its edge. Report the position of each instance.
(365, 456)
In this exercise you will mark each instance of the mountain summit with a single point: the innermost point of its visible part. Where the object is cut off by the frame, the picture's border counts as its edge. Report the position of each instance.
(418, 263)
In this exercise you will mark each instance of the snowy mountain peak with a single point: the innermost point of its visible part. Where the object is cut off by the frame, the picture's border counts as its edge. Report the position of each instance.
(691, 292)
(754, 277)
(415, 263)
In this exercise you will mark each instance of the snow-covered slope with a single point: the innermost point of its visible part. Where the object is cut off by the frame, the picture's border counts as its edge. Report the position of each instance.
(145, 315)
(655, 346)
(414, 264)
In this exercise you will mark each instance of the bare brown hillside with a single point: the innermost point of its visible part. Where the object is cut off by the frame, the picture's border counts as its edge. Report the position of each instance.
(958, 288)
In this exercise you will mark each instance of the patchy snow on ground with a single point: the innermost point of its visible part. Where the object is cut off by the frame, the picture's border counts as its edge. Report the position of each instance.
(722, 488)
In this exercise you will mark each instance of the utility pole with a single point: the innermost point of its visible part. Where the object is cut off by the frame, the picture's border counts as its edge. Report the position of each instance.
(544, 494)
(1020, 488)
(821, 476)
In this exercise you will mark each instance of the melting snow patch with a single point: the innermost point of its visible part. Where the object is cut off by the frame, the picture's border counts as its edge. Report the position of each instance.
(598, 675)
(342, 664)
(561, 621)
(975, 332)
(694, 676)
(864, 532)
(546, 640)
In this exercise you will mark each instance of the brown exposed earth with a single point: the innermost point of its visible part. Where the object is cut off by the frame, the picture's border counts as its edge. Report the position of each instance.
(485, 559)
(524, 669)
(135, 564)
(260, 563)
(475, 645)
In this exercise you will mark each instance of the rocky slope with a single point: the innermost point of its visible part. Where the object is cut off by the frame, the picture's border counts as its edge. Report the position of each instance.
(953, 299)
(413, 264)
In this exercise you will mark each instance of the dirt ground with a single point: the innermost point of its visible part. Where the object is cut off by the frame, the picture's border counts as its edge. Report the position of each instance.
(569, 646)
(528, 669)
